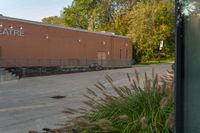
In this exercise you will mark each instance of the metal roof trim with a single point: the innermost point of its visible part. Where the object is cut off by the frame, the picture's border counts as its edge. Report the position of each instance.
(57, 26)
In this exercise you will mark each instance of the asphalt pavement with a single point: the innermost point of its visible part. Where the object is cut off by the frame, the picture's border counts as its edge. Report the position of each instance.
(27, 104)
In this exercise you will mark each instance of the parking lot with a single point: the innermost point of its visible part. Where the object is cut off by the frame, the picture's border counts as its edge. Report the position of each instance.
(27, 104)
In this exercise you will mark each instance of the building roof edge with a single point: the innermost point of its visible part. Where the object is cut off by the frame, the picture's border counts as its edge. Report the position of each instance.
(57, 26)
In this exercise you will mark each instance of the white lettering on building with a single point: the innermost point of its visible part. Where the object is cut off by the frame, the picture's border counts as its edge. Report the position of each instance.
(11, 32)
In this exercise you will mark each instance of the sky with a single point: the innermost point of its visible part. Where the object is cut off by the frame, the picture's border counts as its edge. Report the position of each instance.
(32, 9)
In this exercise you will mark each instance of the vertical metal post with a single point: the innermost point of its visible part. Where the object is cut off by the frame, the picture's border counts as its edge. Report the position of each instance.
(179, 70)
(23, 72)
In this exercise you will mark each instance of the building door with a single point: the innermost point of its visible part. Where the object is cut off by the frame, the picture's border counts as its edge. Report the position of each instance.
(120, 54)
(101, 58)
(126, 54)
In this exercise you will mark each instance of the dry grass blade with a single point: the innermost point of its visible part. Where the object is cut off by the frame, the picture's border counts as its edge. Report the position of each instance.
(168, 84)
(123, 90)
(81, 122)
(82, 109)
(109, 78)
(164, 85)
(155, 81)
(91, 92)
(123, 117)
(90, 104)
(118, 91)
(99, 87)
(170, 121)
(102, 86)
(92, 100)
(33, 132)
(128, 90)
(153, 73)
(137, 76)
(108, 97)
(145, 77)
(134, 83)
(68, 110)
(65, 130)
(135, 87)
(103, 100)
(129, 78)
(147, 84)
(49, 130)
(89, 98)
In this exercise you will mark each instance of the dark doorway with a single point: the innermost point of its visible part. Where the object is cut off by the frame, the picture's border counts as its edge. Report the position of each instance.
(126, 53)
(120, 54)
(0, 52)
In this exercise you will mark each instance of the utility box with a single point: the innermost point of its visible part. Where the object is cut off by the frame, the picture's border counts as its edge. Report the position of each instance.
(192, 74)
(188, 69)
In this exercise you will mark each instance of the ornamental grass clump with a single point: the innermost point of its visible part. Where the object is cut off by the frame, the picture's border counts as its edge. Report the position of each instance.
(144, 105)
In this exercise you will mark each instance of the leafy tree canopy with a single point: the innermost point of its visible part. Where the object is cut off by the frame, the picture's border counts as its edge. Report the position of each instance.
(147, 22)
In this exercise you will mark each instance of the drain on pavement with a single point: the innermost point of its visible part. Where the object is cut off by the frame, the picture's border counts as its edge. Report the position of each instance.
(58, 97)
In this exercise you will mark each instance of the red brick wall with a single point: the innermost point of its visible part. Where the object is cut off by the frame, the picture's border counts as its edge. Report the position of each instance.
(61, 43)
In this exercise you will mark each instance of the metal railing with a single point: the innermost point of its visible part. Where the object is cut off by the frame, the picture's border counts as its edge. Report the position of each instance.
(31, 62)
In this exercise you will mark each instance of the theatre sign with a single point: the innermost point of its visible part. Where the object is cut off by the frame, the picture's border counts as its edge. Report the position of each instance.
(11, 31)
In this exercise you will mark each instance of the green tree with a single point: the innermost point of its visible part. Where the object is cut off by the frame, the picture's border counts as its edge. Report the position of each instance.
(147, 22)
(79, 13)
(53, 20)
(150, 23)
(109, 15)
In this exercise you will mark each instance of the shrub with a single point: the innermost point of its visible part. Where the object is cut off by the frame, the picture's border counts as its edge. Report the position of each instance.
(146, 108)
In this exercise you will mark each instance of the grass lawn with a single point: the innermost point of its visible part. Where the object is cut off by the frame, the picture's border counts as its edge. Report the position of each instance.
(158, 62)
